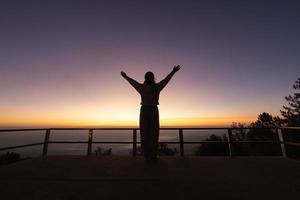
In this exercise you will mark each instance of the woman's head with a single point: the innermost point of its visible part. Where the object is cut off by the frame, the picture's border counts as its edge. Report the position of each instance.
(149, 78)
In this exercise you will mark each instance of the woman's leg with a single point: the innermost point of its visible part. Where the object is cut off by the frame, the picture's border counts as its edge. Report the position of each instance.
(145, 131)
(154, 132)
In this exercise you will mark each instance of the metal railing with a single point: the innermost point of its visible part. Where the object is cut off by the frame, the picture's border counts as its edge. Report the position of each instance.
(229, 141)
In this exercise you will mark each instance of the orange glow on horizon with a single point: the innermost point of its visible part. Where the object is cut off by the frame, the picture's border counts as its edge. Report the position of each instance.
(164, 122)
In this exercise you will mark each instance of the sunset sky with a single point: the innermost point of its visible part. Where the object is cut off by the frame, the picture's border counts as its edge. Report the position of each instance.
(60, 61)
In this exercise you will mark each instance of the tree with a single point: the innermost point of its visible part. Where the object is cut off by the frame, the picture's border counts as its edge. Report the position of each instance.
(291, 112)
(291, 115)
(265, 120)
(263, 129)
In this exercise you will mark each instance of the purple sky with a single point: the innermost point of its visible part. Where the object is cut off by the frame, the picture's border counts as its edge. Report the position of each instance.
(60, 61)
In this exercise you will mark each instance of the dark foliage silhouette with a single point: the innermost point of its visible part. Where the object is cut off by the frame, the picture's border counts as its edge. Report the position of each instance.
(260, 130)
(291, 118)
(163, 150)
(9, 157)
(213, 149)
(291, 112)
(263, 130)
(99, 151)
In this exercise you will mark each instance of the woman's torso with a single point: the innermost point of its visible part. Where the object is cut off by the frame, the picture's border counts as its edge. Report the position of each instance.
(149, 95)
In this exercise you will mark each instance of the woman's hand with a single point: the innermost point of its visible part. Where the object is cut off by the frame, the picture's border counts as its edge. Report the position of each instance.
(176, 68)
(123, 74)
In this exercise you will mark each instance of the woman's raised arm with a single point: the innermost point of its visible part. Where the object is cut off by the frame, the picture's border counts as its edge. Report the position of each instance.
(166, 80)
(132, 82)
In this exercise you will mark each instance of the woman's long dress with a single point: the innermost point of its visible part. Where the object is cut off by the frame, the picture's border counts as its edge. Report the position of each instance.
(149, 130)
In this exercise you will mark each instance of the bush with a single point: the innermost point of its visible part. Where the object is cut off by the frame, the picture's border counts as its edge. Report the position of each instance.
(103, 152)
(9, 157)
(163, 149)
(213, 149)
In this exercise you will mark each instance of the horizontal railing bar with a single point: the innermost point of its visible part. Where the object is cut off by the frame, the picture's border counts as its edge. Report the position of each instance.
(60, 129)
(292, 143)
(21, 146)
(256, 141)
(168, 142)
(162, 128)
(298, 128)
(99, 142)
(116, 142)
(19, 130)
(165, 128)
(203, 142)
(85, 142)
(68, 142)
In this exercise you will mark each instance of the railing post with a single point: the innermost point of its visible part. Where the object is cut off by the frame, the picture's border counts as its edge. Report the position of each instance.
(134, 142)
(181, 143)
(229, 136)
(281, 140)
(90, 142)
(46, 141)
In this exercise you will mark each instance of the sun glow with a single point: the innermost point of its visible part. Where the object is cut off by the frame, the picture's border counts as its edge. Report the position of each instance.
(114, 111)
(115, 119)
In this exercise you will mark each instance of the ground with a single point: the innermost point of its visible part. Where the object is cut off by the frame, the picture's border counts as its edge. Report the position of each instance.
(114, 177)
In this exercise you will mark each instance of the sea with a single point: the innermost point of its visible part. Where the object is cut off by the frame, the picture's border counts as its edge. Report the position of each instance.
(8, 139)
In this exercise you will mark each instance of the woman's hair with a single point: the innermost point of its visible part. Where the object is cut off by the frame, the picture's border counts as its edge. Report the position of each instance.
(149, 79)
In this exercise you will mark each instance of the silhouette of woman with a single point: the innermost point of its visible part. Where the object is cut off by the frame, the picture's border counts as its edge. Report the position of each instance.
(149, 116)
